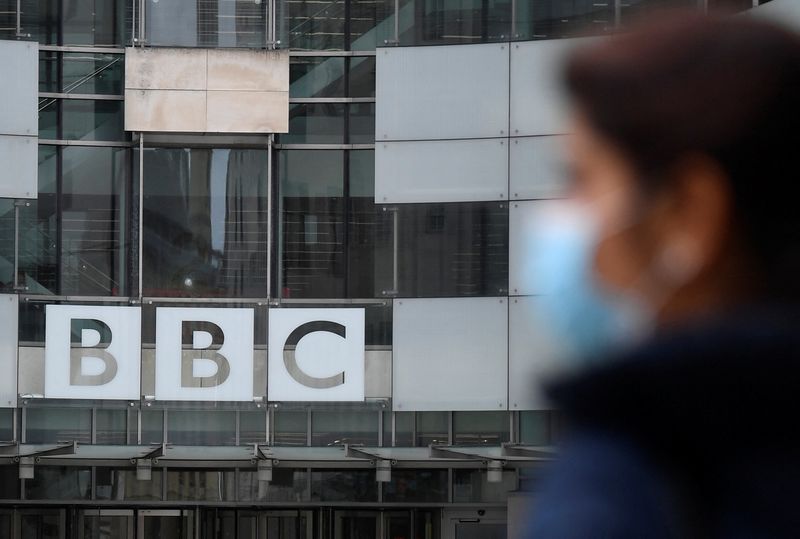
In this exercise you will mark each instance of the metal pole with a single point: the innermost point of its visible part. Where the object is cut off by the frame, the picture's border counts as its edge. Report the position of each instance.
(19, 18)
(269, 218)
(141, 212)
(396, 249)
(133, 22)
(396, 22)
(16, 245)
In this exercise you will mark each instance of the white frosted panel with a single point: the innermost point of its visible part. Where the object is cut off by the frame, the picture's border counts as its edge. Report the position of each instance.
(19, 91)
(19, 173)
(450, 354)
(9, 314)
(519, 223)
(455, 91)
(537, 101)
(533, 356)
(441, 171)
(536, 167)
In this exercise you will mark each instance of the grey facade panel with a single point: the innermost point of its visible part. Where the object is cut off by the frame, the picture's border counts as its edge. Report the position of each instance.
(9, 314)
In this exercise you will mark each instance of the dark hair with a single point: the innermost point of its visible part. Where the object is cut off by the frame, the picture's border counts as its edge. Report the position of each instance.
(724, 87)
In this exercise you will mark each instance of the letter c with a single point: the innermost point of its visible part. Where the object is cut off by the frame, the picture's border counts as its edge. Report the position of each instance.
(290, 360)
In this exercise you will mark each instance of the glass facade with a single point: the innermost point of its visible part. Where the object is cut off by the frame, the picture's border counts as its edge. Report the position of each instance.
(240, 222)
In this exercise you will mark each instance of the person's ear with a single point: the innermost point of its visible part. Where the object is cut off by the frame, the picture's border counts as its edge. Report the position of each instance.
(696, 221)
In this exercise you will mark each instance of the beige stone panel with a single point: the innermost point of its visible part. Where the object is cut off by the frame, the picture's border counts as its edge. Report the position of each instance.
(257, 70)
(248, 112)
(165, 110)
(165, 68)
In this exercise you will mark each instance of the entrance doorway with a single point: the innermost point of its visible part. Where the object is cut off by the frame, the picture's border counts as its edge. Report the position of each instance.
(105, 524)
(356, 525)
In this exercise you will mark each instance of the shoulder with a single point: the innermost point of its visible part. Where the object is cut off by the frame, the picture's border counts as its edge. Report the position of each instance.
(603, 486)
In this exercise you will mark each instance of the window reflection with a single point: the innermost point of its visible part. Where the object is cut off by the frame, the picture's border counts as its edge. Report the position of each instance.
(343, 486)
(344, 427)
(416, 486)
(205, 222)
(59, 483)
(200, 485)
(481, 428)
(549, 19)
(287, 485)
(207, 427)
(207, 23)
(52, 425)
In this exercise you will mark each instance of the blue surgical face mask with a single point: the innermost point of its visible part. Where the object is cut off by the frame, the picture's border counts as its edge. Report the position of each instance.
(586, 320)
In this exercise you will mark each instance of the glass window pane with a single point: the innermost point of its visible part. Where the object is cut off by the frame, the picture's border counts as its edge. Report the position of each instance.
(534, 427)
(7, 424)
(94, 22)
(435, 22)
(252, 427)
(287, 485)
(205, 222)
(152, 427)
(92, 120)
(38, 254)
(51, 425)
(206, 427)
(111, 428)
(291, 428)
(312, 254)
(632, 11)
(48, 71)
(7, 225)
(315, 123)
(121, 485)
(343, 486)
(361, 123)
(59, 483)
(344, 427)
(371, 23)
(432, 428)
(317, 76)
(48, 118)
(207, 23)
(200, 485)
(362, 76)
(474, 486)
(416, 486)
(94, 214)
(550, 19)
(456, 249)
(91, 73)
(404, 429)
(313, 25)
(480, 428)
(9, 488)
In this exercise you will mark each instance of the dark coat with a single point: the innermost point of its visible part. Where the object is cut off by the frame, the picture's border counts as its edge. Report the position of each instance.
(695, 434)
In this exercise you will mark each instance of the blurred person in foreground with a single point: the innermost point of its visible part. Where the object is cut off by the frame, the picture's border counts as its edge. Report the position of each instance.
(673, 274)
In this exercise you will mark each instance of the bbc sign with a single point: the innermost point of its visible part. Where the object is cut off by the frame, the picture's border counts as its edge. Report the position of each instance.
(204, 354)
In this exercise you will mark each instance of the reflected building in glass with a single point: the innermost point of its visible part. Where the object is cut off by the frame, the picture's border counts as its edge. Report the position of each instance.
(400, 188)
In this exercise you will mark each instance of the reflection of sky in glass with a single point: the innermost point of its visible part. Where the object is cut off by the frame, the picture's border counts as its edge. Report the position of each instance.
(218, 181)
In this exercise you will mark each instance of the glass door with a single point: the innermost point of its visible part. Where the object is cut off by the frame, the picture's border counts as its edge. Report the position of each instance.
(356, 525)
(275, 525)
(41, 524)
(105, 524)
(165, 524)
(6, 523)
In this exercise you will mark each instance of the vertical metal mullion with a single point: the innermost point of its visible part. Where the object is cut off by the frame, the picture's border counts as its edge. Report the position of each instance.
(396, 22)
(16, 245)
(133, 22)
(449, 485)
(140, 255)
(19, 19)
(93, 432)
(450, 437)
(512, 34)
(380, 428)
(270, 237)
(308, 428)
(238, 417)
(164, 425)
(394, 429)
(617, 13)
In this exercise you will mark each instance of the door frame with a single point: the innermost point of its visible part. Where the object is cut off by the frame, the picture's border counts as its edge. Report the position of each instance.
(18, 514)
(262, 515)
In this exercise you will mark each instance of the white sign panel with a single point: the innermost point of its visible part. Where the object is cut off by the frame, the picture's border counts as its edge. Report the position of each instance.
(316, 355)
(9, 314)
(204, 354)
(92, 352)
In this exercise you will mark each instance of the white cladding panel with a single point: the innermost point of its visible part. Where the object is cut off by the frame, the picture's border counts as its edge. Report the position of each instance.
(9, 314)
(536, 167)
(450, 354)
(537, 102)
(441, 171)
(452, 91)
(19, 120)
(533, 356)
